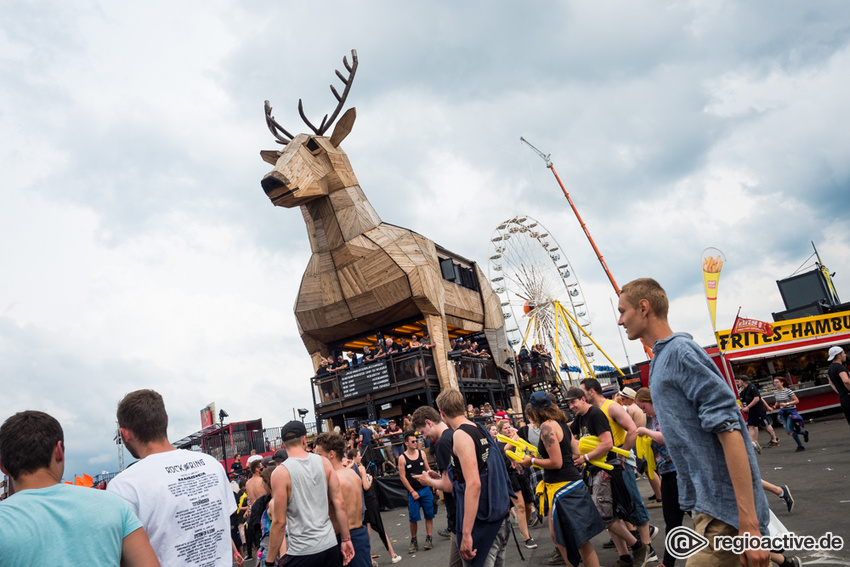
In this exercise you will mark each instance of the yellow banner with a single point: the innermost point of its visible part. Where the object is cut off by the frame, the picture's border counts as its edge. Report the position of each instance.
(712, 263)
(787, 331)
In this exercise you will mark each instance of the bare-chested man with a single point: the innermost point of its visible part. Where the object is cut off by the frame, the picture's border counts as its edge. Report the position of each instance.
(332, 447)
(254, 488)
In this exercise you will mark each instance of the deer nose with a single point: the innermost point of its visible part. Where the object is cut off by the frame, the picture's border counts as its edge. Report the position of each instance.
(274, 180)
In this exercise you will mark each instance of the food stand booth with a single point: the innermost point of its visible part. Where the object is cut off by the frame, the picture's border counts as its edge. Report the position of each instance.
(797, 349)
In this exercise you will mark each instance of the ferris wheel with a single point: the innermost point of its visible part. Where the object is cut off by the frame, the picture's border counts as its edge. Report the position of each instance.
(541, 296)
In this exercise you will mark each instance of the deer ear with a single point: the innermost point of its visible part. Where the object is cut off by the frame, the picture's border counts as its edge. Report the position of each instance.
(270, 156)
(343, 127)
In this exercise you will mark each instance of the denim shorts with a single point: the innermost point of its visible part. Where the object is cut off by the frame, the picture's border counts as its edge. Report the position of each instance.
(425, 502)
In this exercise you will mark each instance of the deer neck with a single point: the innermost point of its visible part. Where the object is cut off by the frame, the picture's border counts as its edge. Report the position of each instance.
(337, 218)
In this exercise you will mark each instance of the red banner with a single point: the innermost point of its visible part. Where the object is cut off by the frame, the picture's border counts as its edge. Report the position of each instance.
(751, 326)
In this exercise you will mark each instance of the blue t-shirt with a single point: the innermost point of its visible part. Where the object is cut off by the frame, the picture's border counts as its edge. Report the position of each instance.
(366, 433)
(64, 525)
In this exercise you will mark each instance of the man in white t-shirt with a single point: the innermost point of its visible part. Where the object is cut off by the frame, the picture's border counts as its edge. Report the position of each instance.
(182, 497)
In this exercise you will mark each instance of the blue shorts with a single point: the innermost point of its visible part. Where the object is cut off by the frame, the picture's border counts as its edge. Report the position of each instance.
(425, 502)
(638, 515)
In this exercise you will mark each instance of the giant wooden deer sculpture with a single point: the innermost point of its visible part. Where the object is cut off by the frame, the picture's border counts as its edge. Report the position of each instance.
(365, 274)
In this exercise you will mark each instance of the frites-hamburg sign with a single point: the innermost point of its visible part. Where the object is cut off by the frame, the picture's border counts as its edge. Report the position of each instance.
(787, 331)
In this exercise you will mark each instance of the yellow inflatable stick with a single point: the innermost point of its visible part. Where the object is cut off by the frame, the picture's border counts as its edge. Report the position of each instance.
(522, 447)
(588, 443)
(643, 450)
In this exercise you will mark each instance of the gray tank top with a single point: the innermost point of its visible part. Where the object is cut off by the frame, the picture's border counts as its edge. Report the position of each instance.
(310, 529)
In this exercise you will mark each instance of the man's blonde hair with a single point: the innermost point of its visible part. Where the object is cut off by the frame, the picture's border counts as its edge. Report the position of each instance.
(450, 402)
(651, 291)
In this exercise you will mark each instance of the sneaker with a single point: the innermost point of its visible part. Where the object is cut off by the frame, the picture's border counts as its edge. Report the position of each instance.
(651, 498)
(429, 543)
(653, 531)
(773, 443)
(529, 543)
(656, 504)
(800, 448)
(652, 555)
(535, 519)
(806, 438)
(608, 544)
(794, 560)
(444, 533)
(786, 496)
(757, 447)
(555, 558)
(414, 546)
(396, 559)
(375, 563)
(640, 555)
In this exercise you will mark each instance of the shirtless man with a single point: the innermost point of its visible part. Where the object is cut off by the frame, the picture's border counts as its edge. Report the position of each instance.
(254, 488)
(332, 447)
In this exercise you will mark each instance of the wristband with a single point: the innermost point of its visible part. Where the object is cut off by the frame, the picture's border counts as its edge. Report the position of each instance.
(532, 461)
(344, 539)
(269, 563)
(585, 458)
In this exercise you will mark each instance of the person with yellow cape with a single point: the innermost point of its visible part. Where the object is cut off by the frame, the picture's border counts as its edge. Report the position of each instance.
(573, 518)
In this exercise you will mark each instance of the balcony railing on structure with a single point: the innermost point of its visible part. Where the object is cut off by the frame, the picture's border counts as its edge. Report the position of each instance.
(474, 368)
(393, 374)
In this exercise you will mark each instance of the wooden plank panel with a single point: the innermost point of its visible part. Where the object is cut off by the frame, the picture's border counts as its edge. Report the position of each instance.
(440, 336)
(351, 281)
(364, 304)
(393, 291)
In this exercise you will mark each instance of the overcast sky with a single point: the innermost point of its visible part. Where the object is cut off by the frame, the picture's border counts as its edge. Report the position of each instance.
(139, 251)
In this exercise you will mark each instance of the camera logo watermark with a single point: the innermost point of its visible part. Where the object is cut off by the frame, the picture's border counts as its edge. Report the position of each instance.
(682, 542)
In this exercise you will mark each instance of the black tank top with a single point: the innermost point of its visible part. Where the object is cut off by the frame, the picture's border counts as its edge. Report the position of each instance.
(415, 466)
(482, 450)
(568, 471)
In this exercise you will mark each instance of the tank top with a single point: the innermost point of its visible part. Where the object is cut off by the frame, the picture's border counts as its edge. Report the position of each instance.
(482, 450)
(617, 432)
(310, 529)
(414, 466)
(568, 471)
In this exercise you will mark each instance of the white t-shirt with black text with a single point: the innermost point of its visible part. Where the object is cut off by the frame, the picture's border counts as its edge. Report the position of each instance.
(184, 501)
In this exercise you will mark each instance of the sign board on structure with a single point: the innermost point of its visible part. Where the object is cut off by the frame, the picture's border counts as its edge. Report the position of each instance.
(365, 380)
(208, 415)
(787, 331)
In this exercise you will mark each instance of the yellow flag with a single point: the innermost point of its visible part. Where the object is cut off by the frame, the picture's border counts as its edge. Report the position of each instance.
(712, 262)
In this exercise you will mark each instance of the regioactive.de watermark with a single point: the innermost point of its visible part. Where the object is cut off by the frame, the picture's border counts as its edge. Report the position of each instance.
(682, 542)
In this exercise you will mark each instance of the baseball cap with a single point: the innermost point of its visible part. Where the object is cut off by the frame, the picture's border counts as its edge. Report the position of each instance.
(293, 430)
(575, 394)
(628, 393)
(540, 400)
(280, 455)
(834, 351)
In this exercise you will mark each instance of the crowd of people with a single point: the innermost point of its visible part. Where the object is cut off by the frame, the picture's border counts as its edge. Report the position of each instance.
(536, 363)
(313, 504)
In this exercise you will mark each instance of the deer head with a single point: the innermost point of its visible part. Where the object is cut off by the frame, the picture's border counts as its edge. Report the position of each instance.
(311, 165)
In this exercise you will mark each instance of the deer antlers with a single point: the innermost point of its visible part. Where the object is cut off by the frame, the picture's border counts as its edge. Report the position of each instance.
(276, 129)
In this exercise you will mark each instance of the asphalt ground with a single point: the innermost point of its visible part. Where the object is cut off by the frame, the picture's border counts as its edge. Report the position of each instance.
(816, 477)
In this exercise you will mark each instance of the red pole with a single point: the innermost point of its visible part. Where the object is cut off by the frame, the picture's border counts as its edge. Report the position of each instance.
(551, 166)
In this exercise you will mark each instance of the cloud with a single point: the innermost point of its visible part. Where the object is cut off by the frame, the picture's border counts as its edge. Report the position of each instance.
(139, 250)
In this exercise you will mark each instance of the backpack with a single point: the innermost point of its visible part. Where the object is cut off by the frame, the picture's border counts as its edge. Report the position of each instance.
(494, 501)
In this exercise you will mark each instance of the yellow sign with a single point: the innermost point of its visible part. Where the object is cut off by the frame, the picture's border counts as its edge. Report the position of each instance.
(712, 263)
(787, 331)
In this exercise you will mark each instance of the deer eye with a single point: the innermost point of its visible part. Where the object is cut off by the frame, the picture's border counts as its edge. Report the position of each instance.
(312, 146)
